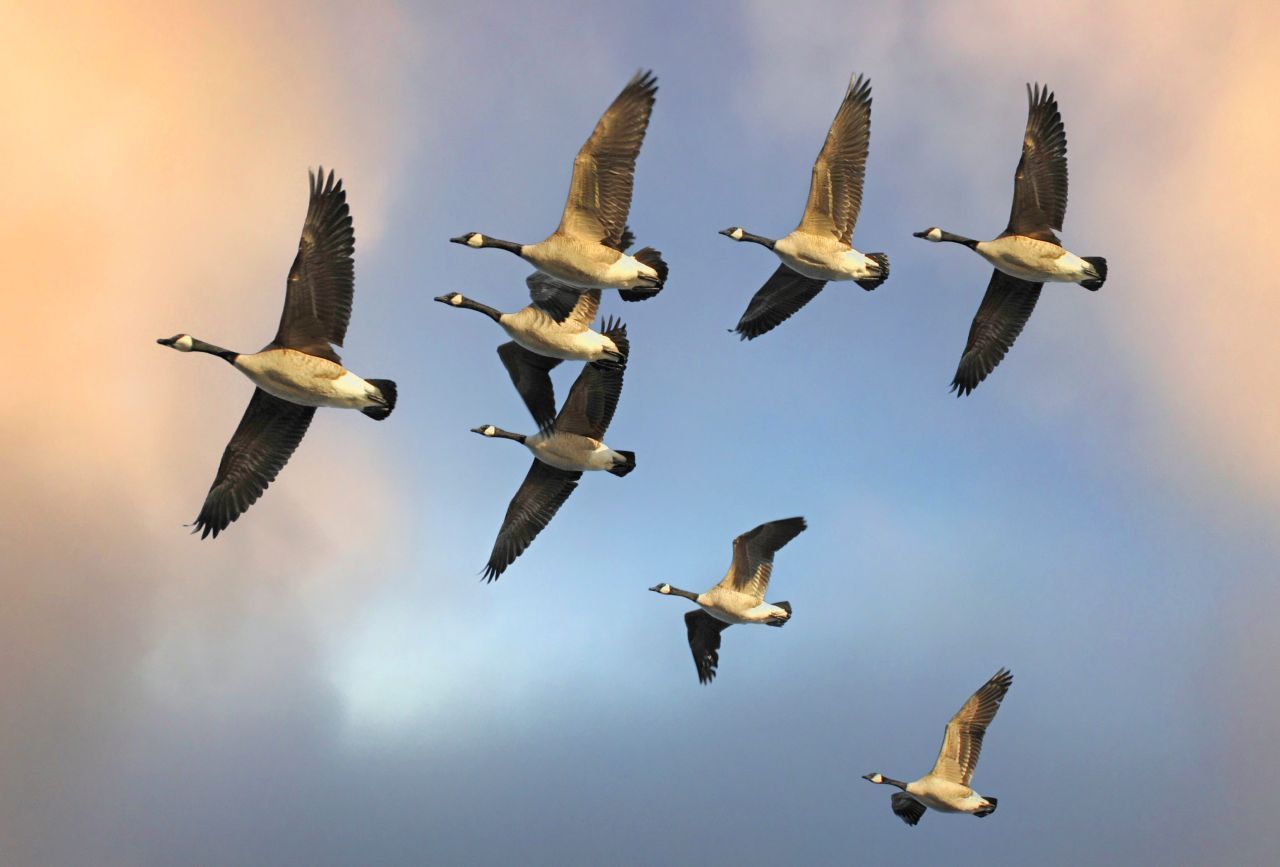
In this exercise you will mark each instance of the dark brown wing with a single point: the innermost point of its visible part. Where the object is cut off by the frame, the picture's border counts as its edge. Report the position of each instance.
(604, 170)
(782, 295)
(1001, 316)
(531, 375)
(541, 495)
(561, 301)
(262, 444)
(835, 192)
(589, 408)
(907, 808)
(753, 555)
(1040, 184)
(704, 640)
(962, 742)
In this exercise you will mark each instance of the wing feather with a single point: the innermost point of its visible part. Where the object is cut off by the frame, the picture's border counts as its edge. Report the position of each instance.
(962, 742)
(835, 191)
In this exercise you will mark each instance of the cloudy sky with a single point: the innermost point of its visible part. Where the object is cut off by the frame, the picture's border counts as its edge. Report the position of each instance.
(330, 683)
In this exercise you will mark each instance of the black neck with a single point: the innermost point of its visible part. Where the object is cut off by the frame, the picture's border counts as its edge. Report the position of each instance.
(676, 591)
(225, 354)
(493, 314)
(757, 239)
(959, 239)
(508, 435)
(892, 782)
(509, 246)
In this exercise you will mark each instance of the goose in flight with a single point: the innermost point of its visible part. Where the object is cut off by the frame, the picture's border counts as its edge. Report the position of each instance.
(739, 598)
(585, 251)
(563, 450)
(946, 787)
(556, 325)
(1027, 254)
(298, 370)
(818, 250)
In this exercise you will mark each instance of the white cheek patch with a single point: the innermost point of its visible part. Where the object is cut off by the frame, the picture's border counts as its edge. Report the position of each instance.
(736, 234)
(456, 300)
(934, 234)
(490, 431)
(183, 343)
(475, 240)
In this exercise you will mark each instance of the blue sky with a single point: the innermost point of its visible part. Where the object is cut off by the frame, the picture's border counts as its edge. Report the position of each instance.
(330, 682)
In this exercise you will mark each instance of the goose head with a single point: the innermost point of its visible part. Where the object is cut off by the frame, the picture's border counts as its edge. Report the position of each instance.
(931, 234)
(664, 589)
(487, 430)
(454, 298)
(471, 239)
(180, 342)
(734, 232)
(874, 778)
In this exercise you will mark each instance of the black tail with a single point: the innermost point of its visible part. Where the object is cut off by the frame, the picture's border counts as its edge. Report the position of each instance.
(388, 389)
(652, 258)
(622, 469)
(616, 330)
(987, 811)
(870, 283)
(785, 606)
(1100, 265)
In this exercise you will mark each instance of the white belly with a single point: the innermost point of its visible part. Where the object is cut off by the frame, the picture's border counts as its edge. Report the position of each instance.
(721, 608)
(306, 380)
(553, 341)
(823, 259)
(572, 452)
(1033, 260)
(945, 796)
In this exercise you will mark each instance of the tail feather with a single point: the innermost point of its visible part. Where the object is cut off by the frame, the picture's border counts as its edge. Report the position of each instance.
(624, 468)
(987, 811)
(785, 606)
(616, 330)
(1100, 265)
(869, 283)
(388, 391)
(652, 258)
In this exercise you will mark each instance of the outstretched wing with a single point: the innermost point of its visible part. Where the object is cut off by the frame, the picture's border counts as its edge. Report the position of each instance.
(907, 808)
(962, 743)
(561, 301)
(1001, 316)
(541, 495)
(531, 375)
(264, 440)
(604, 170)
(704, 640)
(753, 555)
(589, 408)
(1040, 184)
(317, 303)
(835, 192)
(782, 295)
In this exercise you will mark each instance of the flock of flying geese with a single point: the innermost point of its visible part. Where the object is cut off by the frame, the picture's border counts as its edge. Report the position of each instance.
(299, 370)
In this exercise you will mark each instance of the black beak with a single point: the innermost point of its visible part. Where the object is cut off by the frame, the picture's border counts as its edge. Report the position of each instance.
(866, 777)
(461, 239)
(479, 430)
(656, 587)
(445, 299)
(165, 341)
(924, 234)
(728, 233)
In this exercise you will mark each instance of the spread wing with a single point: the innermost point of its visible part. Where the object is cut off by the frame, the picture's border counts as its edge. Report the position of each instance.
(907, 808)
(561, 301)
(604, 170)
(317, 303)
(262, 444)
(531, 375)
(541, 495)
(835, 193)
(753, 555)
(782, 295)
(593, 398)
(1001, 316)
(704, 640)
(962, 743)
(1040, 184)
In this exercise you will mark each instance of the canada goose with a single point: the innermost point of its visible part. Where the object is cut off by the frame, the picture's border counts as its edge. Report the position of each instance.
(584, 251)
(739, 597)
(557, 324)
(1027, 254)
(298, 370)
(818, 250)
(946, 787)
(571, 445)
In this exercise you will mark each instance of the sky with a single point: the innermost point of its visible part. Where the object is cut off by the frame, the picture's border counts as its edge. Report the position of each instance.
(330, 682)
